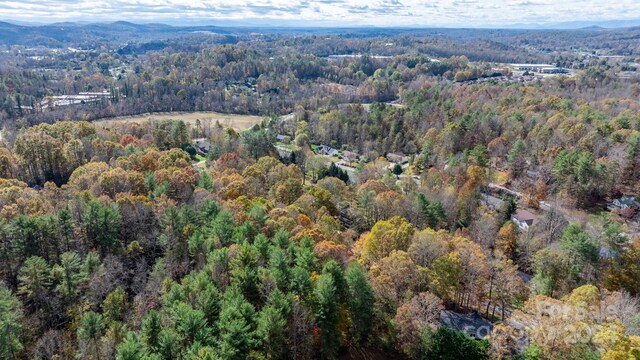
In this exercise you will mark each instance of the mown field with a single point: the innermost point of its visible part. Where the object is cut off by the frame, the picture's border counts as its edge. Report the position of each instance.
(238, 122)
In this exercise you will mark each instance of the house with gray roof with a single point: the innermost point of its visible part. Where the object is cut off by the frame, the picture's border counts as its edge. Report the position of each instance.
(327, 150)
(202, 146)
(398, 158)
(491, 201)
(623, 202)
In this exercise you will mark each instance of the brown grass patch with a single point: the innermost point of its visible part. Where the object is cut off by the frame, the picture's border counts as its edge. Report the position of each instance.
(238, 122)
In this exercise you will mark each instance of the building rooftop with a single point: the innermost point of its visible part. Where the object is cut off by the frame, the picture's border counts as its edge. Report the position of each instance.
(397, 157)
(492, 200)
(472, 323)
(523, 215)
(629, 200)
(349, 154)
(203, 145)
(533, 65)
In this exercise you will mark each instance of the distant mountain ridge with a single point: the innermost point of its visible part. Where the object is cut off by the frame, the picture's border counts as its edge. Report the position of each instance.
(62, 34)
(579, 25)
(125, 33)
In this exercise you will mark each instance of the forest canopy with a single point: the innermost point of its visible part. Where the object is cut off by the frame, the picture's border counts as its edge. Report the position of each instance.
(403, 200)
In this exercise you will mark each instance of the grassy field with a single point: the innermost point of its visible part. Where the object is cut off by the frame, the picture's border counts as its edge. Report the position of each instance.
(290, 146)
(238, 122)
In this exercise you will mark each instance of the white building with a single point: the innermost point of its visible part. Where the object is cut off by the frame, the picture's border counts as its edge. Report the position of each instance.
(523, 219)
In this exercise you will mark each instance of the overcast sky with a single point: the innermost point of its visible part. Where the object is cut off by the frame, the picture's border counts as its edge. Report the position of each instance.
(458, 13)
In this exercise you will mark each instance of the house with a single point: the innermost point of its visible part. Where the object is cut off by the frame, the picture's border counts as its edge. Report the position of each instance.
(24, 109)
(472, 323)
(283, 138)
(540, 68)
(623, 202)
(523, 219)
(492, 201)
(349, 156)
(397, 158)
(533, 175)
(605, 253)
(327, 150)
(202, 146)
(284, 152)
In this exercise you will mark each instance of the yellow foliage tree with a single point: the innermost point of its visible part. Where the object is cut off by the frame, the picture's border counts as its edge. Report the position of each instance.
(385, 237)
(506, 240)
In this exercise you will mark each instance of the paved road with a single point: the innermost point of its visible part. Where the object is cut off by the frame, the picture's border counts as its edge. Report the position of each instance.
(350, 171)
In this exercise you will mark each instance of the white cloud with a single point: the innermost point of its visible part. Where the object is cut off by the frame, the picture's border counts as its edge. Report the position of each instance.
(325, 12)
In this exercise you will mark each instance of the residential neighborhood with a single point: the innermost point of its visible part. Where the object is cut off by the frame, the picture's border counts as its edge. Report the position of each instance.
(330, 180)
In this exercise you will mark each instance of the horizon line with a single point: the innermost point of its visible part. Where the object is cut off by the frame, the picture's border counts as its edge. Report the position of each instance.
(268, 23)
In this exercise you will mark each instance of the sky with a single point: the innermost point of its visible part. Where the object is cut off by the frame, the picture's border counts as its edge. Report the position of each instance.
(383, 13)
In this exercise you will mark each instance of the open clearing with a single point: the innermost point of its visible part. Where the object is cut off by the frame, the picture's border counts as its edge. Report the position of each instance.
(238, 122)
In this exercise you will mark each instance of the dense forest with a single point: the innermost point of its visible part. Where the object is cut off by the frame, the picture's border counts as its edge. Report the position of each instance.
(237, 79)
(126, 240)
